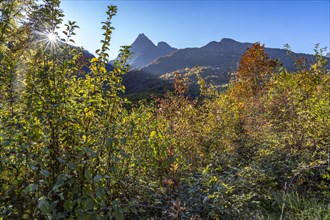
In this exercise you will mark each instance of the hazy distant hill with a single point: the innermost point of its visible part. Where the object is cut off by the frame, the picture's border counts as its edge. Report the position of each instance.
(144, 51)
(218, 59)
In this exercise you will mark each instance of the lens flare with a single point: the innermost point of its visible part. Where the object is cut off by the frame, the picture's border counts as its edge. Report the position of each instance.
(51, 37)
(49, 40)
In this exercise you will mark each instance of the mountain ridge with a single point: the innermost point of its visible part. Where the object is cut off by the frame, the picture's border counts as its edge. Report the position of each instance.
(218, 58)
(225, 54)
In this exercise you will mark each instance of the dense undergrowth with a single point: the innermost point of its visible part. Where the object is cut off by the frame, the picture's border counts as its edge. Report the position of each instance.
(70, 150)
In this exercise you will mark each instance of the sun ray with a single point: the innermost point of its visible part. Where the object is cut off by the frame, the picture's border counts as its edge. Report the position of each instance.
(50, 40)
(52, 37)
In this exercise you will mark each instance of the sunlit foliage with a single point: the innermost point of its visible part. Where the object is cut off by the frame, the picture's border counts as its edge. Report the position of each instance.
(69, 149)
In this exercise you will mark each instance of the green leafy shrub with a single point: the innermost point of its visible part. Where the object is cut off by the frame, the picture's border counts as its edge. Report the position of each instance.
(70, 148)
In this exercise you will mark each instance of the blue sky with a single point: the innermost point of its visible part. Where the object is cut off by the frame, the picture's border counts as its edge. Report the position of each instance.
(183, 24)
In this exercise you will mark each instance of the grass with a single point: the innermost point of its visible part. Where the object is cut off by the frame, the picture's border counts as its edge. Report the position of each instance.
(294, 206)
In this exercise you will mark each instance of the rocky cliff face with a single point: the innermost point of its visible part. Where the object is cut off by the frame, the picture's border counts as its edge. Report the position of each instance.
(144, 51)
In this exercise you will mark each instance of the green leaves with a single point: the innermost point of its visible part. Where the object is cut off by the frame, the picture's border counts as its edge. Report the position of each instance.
(44, 173)
(118, 215)
(68, 205)
(4, 175)
(44, 205)
(31, 188)
(97, 178)
(69, 149)
(88, 204)
(152, 134)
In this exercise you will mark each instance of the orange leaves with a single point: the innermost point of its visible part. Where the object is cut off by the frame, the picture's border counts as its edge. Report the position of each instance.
(254, 70)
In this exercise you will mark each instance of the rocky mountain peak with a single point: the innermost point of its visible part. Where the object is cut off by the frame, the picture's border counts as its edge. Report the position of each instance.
(166, 47)
(142, 41)
(144, 51)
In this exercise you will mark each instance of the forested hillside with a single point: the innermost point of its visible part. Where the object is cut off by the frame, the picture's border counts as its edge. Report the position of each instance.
(71, 149)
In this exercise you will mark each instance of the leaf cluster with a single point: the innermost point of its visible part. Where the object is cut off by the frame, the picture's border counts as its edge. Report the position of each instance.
(69, 149)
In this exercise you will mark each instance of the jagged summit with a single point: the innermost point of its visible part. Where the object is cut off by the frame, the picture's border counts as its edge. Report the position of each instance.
(144, 51)
(141, 42)
(142, 36)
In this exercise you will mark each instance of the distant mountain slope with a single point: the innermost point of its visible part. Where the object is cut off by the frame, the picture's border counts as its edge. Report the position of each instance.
(224, 55)
(218, 59)
(144, 51)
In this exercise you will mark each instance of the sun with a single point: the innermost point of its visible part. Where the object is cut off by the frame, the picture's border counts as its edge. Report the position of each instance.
(50, 40)
(52, 37)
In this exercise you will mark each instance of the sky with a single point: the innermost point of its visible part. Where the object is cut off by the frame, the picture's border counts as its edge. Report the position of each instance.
(182, 24)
